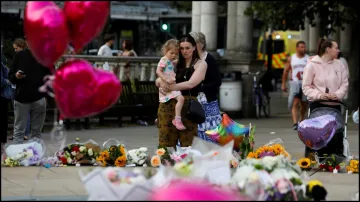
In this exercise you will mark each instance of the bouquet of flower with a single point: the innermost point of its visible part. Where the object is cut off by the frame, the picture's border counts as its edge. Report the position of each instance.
(306, 163)
(273, 148)
(137, 156)
(269, 178)
(162, 156)
(79, 153)
(24, 154)
(332, 163)
(114, 154)
(179, 154)
(117, 184)
(353, 166)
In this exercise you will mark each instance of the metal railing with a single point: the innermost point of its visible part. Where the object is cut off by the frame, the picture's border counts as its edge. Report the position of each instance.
(144, 68)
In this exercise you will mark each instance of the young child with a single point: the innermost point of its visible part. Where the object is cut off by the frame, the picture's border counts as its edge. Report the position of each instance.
(165, 71)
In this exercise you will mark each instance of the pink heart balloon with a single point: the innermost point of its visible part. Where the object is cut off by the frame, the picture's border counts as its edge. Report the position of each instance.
(46, 31)
(86, 19)
(81, 90)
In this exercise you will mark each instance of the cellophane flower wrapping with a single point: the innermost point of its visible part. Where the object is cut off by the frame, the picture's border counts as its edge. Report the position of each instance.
(137, 156)
(271, 177)
(26, 154)
(274, 147)
(114, 183)
(113, 153)
(79, 153)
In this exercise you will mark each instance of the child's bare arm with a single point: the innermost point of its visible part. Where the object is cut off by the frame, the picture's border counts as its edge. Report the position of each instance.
(160, 72)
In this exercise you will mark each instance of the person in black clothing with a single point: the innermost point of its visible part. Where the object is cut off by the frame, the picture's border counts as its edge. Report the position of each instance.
(208, 91)
(27, 74)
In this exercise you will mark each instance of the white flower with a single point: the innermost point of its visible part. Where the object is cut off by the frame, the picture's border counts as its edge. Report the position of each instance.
(82, 148)
(18, 156)
(90, 152)
(29, 153)
(242, 174)
(73, 153)
(268, 162)
(67, 154)
(282, 173)
(7, 161)
(143, 149)
(69, 160)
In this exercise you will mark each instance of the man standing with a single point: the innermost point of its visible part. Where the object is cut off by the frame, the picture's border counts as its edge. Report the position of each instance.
(27, 74)
(105, 49)
(295, 65)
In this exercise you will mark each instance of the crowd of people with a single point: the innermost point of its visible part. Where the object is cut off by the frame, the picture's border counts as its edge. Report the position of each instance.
(187, 73)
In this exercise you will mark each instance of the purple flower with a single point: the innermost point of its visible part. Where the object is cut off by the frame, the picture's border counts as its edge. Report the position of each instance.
(263, 154)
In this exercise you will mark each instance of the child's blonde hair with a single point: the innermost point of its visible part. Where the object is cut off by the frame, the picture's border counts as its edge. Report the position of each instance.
(171, 43)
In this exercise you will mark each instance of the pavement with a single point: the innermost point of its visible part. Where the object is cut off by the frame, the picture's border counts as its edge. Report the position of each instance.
(39, 183)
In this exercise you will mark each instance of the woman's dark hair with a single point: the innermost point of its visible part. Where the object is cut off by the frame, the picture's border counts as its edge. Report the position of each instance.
(21, 43)
(322, 45)
(128, 45)
(181, 67)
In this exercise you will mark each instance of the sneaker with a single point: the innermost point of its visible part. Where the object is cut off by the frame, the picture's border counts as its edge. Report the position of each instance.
(178, 124)
(295, 127)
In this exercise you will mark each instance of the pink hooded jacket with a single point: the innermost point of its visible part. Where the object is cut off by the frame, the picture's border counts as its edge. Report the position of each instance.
(319, 75)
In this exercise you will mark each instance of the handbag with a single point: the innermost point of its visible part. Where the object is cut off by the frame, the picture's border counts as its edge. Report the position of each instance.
(195, 111)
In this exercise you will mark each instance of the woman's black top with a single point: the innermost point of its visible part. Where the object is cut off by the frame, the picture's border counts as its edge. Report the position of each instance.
(212, 81)
(183, 75)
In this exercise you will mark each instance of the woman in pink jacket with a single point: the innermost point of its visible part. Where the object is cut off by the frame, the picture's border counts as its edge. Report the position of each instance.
(325, 77)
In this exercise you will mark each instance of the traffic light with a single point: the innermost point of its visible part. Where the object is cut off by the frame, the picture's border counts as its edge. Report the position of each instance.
(165, 27)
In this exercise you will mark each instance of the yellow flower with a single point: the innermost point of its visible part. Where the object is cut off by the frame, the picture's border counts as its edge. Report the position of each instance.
(155, 161)
(105, 154)
(355, 166)
(252, 155)
(104, 163)
(120, 161)
(348, 168)
(122, 150)
(160, 152)
(304, 163)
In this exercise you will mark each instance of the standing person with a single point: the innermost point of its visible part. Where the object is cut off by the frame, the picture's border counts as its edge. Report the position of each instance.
(5, 98)
(105, 50)
(166, 72)
(20, 45)
(296, 64)
(127, 51)
(208, 91)
(190, 72)
(326, 78)
(27, 74)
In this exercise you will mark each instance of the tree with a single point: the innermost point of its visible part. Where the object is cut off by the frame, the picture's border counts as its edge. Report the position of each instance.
(283, 15)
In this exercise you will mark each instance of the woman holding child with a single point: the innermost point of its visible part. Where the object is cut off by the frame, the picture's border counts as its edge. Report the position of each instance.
(189, 73)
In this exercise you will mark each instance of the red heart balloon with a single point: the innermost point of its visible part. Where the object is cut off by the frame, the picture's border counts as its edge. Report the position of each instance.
(81, 90)
(46, 31)
(86, 19)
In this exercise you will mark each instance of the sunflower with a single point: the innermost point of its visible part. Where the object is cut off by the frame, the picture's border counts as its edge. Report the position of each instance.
(112, 148)
(105, 154)
(100, 158)
(120, 161)
(304, 163)
(122, 150)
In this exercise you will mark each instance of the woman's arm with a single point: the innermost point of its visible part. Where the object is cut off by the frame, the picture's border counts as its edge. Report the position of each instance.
(308, 89)
(342, 91)
(196, 78)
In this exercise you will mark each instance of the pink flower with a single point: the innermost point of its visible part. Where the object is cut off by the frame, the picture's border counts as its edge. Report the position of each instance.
(175, 157)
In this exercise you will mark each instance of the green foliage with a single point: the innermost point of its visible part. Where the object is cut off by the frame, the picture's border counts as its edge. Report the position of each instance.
(284, 15)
